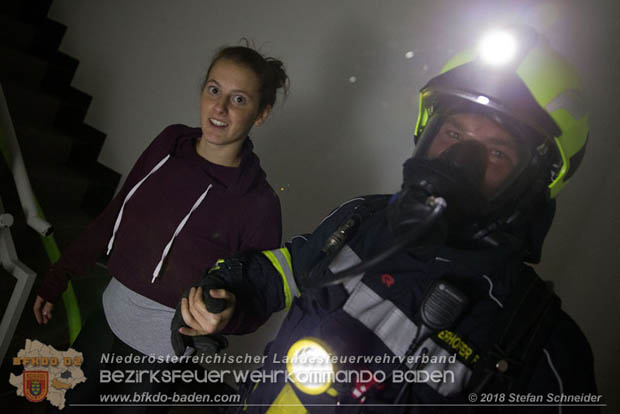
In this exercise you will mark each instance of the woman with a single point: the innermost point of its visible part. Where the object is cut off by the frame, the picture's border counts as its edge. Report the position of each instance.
(193, 196)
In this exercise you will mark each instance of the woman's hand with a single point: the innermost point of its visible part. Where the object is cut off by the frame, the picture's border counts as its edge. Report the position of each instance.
(42, 310)
(200, 320)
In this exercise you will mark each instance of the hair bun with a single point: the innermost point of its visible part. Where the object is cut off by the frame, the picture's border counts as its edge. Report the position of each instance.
(279, 72)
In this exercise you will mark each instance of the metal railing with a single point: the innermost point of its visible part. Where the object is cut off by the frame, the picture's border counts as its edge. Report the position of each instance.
(25, 276)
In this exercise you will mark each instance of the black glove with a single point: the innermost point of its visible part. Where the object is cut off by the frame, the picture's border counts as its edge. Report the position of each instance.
(204, 343)
(223, 275)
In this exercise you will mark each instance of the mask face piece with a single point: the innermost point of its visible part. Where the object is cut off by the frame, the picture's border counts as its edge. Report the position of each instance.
(471, 159)
(499, 155)
(466, 158)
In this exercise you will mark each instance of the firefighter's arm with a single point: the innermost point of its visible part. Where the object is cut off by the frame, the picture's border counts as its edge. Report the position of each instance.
(262, 283)
(243, 292)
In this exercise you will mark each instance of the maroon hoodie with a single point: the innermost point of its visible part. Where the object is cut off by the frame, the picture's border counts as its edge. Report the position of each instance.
(183, 214)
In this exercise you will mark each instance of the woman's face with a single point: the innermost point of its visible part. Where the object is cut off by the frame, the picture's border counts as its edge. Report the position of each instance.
(229, 104)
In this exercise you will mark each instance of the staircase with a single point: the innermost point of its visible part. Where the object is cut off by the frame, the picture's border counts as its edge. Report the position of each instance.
(60, 152)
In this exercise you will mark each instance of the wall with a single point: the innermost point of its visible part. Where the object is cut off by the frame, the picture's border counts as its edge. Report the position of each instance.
(346, 127)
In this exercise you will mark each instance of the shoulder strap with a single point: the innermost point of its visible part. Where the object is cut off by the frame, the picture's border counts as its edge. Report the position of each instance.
(517, 337)
(350, 225)
(316, 274)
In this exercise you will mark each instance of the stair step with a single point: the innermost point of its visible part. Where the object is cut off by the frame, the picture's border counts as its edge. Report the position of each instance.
(61, 71)
(33, 72)
(15, 32)
(80, 162)
(102, 189)
(90, 189)
(78, 148)
(39, 145)
(75, 104)
(54, 73)
(21, 67)
(31, 11)
(41, 39)
(31, 106)
(57, 185)
(48, 37)
(87, 145)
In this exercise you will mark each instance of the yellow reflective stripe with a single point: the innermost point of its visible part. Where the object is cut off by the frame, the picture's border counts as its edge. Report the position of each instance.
(287, 256)
(284, 256)
(286, 276)
(287, 402)
(216, 266)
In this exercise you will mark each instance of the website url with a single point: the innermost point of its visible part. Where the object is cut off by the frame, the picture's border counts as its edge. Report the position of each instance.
(163, 398)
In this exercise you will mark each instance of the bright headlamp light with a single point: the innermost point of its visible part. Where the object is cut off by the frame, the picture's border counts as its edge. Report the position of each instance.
(498, 48)
(309, 364)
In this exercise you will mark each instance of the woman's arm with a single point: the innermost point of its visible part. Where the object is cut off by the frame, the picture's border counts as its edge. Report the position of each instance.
(84, 251)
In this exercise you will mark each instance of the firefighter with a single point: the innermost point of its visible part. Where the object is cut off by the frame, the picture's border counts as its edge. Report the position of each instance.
(425, 297)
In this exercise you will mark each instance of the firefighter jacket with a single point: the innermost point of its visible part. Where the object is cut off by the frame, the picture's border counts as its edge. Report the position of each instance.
(369, 322)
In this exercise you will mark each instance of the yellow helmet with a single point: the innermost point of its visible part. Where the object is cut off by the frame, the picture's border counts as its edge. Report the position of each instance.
(516, 73)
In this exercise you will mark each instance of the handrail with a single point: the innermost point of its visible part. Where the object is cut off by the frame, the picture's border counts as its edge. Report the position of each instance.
(15, 162)
(25, 279)
(9, 146)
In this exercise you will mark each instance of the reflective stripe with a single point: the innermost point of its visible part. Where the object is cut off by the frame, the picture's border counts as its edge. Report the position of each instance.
(382, 317)
(284, 256)
(397, 332)
(281, 260)
(345, 259)
(393, 327)
(572, 101)
(217, 264)
(287, 402)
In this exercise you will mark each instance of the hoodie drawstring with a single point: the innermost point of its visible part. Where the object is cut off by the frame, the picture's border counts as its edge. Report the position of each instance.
(127, 197)
(177, 231)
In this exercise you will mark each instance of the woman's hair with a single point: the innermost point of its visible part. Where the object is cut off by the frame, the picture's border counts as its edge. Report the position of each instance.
(270, 71)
